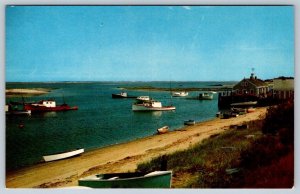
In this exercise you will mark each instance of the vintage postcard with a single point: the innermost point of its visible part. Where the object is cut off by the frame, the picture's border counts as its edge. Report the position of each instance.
(149, 96)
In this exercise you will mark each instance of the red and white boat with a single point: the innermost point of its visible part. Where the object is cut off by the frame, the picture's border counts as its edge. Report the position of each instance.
(48, 105)
(145, 103)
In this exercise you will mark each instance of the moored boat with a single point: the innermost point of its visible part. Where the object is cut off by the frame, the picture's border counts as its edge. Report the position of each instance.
(156, 179)
(163, 129)
(48, 105)
(190, 122)
(145, 103)
(206, 96)
(122, 95)
(63, 155)
(180, 94)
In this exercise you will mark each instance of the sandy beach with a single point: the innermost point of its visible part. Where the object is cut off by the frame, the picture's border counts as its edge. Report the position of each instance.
(25, 92)
(122, 157)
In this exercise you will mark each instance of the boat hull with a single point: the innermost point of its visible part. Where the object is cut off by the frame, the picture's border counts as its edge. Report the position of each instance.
(160, 179)
(61, 156)
(137, 107)
(34, 108)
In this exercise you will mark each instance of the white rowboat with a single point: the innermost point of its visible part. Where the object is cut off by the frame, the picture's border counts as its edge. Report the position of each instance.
(63, 155)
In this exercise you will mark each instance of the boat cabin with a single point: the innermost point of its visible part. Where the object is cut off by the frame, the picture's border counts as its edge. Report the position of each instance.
(46, 103)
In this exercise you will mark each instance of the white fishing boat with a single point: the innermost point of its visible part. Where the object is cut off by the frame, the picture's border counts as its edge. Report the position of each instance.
(163, 129)
(180, 94)
(145, 103)
(59, 156)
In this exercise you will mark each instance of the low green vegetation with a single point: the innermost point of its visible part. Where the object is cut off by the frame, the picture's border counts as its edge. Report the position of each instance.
(238, 158)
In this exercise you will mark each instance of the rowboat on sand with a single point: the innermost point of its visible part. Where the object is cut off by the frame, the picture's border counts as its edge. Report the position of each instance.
(63, 155)
(163, 129)
(155, 179)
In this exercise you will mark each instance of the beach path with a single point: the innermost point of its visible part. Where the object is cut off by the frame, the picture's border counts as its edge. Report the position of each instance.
(122, 157)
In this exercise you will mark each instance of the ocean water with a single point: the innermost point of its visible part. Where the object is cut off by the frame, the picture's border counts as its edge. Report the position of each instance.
(100, 120)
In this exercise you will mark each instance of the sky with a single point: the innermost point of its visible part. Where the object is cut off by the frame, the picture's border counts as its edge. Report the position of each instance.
(148, 43)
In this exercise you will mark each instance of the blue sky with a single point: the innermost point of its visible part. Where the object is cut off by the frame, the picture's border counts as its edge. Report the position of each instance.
(148, 43)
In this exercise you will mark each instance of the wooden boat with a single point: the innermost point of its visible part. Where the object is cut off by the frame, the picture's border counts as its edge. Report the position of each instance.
(189, 122)
(145, 103)
(156, 179)
(48, 105)
(179, 94)
(162, 130)
(206, 96)
(63, 155)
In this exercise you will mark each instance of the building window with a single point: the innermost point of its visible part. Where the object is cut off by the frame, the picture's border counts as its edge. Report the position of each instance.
(251, 91)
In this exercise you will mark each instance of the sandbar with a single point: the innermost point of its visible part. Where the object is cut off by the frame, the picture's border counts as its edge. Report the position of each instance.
(26, 92)
(122, 157)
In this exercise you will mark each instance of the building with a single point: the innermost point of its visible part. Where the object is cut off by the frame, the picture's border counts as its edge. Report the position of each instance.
(251, 87)
(283, 88)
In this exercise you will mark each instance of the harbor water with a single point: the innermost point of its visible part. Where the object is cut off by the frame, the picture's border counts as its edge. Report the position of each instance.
(100, 120)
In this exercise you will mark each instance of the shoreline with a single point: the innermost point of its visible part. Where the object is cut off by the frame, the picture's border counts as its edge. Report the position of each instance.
(19, 92)
(120, 157)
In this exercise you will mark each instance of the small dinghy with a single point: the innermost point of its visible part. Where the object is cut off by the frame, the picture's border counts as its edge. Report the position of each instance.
(62, 155)
(162, 130)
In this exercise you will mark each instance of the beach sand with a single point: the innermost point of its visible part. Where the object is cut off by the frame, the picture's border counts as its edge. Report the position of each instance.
(122, 157)
(25, 92)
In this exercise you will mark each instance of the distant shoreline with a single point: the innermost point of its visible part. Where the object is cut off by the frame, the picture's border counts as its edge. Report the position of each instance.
(150, 88)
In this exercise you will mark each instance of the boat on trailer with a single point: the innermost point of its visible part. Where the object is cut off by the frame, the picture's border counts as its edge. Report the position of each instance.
(63, 155)
(155, 179)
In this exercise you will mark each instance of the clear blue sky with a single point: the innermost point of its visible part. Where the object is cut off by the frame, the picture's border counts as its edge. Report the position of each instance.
(148, 43)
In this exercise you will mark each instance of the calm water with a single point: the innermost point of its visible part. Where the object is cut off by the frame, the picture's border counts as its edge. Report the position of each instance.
(100, 120)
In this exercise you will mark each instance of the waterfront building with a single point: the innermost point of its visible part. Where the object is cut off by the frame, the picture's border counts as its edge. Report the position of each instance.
(283, 88)
(251, 87)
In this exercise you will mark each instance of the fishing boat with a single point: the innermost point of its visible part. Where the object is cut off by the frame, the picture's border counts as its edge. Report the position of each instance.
(206, 96)
(155, 179)
(180, 94)
(122, 95)
(63, 155)
(48, 105)
(190, 122)
(145, 103)
(163, 129)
